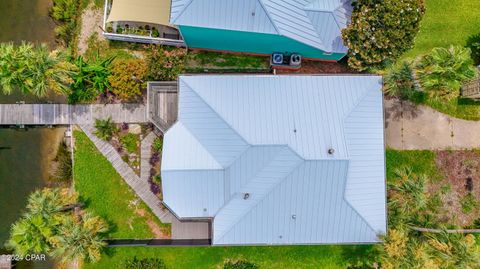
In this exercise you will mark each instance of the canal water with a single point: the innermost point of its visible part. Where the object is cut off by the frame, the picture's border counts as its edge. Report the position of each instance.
(25, 155)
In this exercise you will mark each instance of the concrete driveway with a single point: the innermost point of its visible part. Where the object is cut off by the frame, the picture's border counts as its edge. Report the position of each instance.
(419, 127)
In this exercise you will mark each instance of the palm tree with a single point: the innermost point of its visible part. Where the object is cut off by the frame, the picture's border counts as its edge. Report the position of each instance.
(408, 198)
(47, 201)
(454, 250)
(31, 234)
(399, 80)
(34, 69)
(81, 238)
(442, 72)
(105, 128)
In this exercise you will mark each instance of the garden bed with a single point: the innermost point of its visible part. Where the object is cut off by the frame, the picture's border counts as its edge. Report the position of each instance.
(462, 177)
(453, 183)
(127, 143)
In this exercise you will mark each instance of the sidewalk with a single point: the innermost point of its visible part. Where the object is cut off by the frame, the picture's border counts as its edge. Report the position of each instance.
(420, 127)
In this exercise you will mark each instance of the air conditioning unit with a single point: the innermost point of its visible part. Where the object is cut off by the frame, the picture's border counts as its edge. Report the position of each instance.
(295, 59)
(277, 58)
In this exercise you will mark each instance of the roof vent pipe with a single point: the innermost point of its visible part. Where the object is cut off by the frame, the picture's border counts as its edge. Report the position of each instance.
(331, 151)
(246, 196)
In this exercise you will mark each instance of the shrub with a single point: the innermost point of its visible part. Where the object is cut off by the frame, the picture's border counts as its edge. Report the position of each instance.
(64, 12)
(105, 129)
(129, 141)
(381, 31)
(240, 264)
(126, 78)
(399, 80)
(149, 263)
(91, 80)
(443, 70)
(157, 144)
(63, 160)
(473, 42)
(165, 64)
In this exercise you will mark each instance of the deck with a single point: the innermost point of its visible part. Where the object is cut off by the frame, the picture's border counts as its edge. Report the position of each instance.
(63, 114)
(162, 104)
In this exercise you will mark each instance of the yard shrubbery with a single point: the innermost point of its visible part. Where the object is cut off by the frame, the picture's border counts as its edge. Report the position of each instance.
(418, 191)
(127, 78)
(105, 129)
(381, 31)
(473, 43)
(165, 63)
(442, 71)
(435, 79)
(65, 13)
(91, 81)
(148, 263)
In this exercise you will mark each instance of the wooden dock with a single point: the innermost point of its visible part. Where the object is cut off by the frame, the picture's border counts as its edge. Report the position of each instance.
(63, 114)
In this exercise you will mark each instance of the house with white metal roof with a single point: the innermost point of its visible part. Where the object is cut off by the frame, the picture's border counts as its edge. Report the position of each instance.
(278, 159)
(311, 28)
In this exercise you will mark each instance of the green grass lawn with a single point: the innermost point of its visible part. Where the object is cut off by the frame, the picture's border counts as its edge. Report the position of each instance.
(268, 257)
(419, 161)
(446, 22)
(461, 108)
(105, 192)
(325, 257)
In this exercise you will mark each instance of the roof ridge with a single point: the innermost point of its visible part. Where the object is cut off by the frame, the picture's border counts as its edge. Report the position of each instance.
(181, 12)
(206, 151)
(219, 117)
(268, 16)
(301, 161)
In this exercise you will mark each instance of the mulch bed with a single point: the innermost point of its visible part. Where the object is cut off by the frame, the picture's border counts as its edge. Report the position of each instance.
(461, 170)
(318, 67)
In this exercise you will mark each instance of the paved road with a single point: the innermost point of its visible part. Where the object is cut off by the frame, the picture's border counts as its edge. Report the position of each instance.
(421, 127)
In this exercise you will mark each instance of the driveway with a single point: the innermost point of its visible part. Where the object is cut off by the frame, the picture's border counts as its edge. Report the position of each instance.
(420, 127)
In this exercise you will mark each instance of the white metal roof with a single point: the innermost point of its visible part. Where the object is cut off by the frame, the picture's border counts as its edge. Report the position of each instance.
(269, 136)
(317, 23)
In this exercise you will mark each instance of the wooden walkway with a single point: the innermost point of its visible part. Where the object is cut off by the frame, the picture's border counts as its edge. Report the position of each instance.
(62, 114)
(140, 187)
(162, 103)
(145, 155)
(180, 229)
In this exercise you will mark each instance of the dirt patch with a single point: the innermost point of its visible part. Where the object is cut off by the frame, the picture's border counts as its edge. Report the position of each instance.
(92, 20)
(318, 67)
(158, 232)
(461, 186)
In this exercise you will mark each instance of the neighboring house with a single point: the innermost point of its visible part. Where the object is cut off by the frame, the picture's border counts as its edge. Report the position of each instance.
(309, 27)
(278, 159)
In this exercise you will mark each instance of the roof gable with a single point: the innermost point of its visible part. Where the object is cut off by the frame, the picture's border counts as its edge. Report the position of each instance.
(303, 20)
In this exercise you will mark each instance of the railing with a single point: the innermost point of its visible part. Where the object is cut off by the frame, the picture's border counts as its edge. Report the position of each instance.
(144, 39)
(158, 242)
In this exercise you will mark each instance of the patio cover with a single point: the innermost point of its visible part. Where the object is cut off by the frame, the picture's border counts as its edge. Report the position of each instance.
(148, 11)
